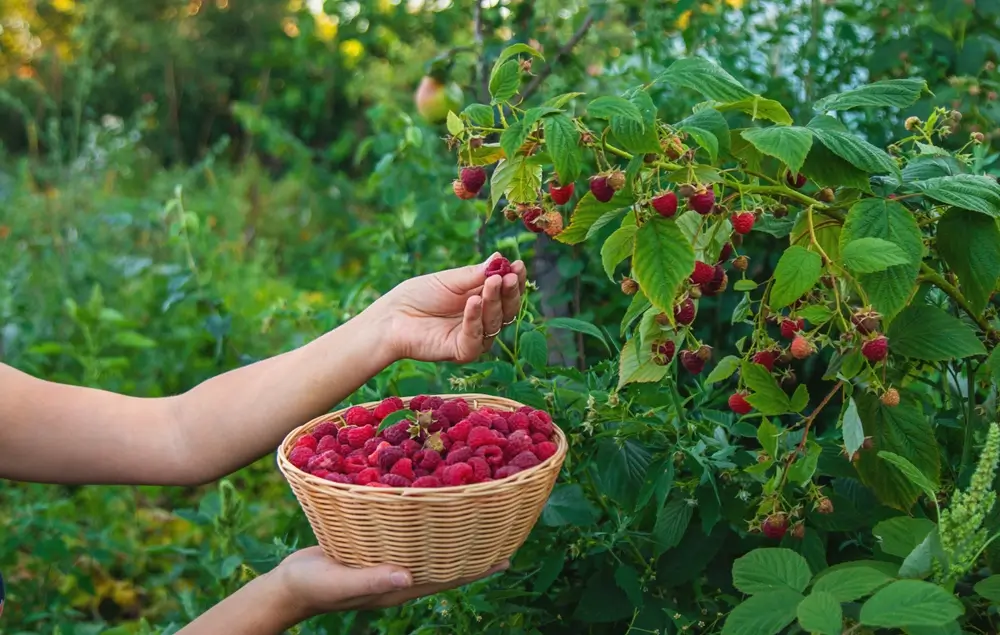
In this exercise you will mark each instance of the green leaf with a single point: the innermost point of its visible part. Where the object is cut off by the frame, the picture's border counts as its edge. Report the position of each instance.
(509, 52)
(636, 307)
(797, 271)
(827, 230)
(627, 579)
(889, 290)
(744, 285)
(525, 181)
(486, 154)
(900, 535)
(131, 339)
(588, 211)
(993, 366)
(770, 569)
(902, 430)
(711, 120)
(705, 139)
(894, 93)
(577, 325)
(567, 505)
(847, 585)
(551, 567)
(989, 588)
(854, 433)
(534, 349)
(513, 138)
(707, 78)
(928, 333)
(800, 398)
(636, 365)
(788, 144)
(480, 114)
(820, 613)
(919, 563)
(454, 124)
(857, 152)
(817, 314)
(617, 248)
(922, 168)
(502, 177)
(563, 143)
(911, 472)
(662, 261)
(724, 369)
(767, 435)
(911, 603)
(759, 108)
(768, 397)
(970, 244)
(621, 468)
(826, 169)
(395, 417)
(561, 100)
(763, 614)
(966, 191)
(869, 255)
(610, 107)
(505, 81)
(638, 137)
(802, 471)
(671, 522)
(826, 122)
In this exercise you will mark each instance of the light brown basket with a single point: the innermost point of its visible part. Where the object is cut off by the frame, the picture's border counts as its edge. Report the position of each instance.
(440, 535)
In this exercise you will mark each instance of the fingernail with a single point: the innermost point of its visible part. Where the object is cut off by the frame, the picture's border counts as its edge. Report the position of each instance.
(400, 579)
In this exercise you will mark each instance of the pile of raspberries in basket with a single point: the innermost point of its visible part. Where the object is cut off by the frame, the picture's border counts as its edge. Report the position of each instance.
(441, 443)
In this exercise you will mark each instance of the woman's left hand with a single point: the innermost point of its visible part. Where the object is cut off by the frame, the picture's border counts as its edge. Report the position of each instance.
(452, 315)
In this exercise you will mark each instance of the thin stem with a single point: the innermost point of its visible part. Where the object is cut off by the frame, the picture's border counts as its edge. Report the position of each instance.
(805, 433)
(564, 50)
(829, 264)
(675, 398)
(929, 275)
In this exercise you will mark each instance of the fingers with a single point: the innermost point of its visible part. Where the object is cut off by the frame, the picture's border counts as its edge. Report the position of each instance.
(510, 295)
(470, 338)
(373, 581)
(423, 590)
(493, 310)
(522, 275)
(463, 280)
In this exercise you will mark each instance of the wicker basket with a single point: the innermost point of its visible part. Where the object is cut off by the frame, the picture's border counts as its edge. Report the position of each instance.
(440, 535)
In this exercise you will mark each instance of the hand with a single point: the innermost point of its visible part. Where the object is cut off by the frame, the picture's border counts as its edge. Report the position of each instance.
(449, 315)
(314, 584)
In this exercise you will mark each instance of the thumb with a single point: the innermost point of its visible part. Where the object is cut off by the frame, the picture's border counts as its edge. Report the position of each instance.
(467, 278)
(376, 580)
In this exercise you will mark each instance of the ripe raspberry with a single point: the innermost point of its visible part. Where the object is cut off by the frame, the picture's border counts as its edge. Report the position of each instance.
(499, 266)
(324, 429)
(795, 180)
(458, 445)
(430, 460)
(355, 464)
(480, 470)
(372, 445)
(397, 432)
(388, 406)
(727, 251)
(703, 273)
(426, 482)
(600, 188)
(665, 204)
(460, 191)
(691, 362)
(742, 222)
(417, 403)
(703, 202)
(798, 531)
(500, 424)
(404, 468)
(433, 403)
(358, 416)
(684, 312)
(346, 479)
(377, 484)
(300, 456)
(560, 194)
(327, 443)
(410, 447)
(453, 410)
(551, 223)
(663, 352)
(460, 431)
(891, 398)
(492, 453)
(357, 437)
(525, 460)
(505, 471)
(307, 441)
(458, 474)
(519, 441)
(616, 180)
(775, 526)
(876, 350)
(479, 437)
(539, 426)
(765, 359)
(790, 327)
(738, 403)
(387, 457)
(546, 450)
(824, 506)
(519, 421)
(368, 475)
(329, 461)
(343, 435)
(718, 283)
(459, 456)
(538, 437)
(530, 217)
(629, 286)
(473, 178)
(801, 347)
(866, 322)
(395, 480)
(320, 473)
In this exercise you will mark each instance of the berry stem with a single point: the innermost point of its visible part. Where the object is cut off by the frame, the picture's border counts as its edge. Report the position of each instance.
(676, 401)
(929, 275)
(805, 433)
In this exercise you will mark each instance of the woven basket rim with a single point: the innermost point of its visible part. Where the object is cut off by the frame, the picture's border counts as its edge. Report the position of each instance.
(447, 491)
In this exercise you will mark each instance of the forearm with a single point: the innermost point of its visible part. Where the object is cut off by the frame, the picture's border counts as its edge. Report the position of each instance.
(259, 608)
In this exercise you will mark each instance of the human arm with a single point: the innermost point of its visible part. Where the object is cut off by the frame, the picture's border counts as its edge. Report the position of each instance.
(67, 434)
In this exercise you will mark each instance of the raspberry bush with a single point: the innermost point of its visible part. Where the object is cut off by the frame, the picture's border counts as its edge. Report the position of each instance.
(710, 489)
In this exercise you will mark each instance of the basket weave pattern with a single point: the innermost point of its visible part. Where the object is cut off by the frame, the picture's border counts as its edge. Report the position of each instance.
(440, 535)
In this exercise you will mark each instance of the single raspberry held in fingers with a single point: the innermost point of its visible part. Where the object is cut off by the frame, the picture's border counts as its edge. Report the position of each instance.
(601, 189)
(765, 359)
(328, 443)
(801, 348)
(326, 428)
(665, 204)
(357, 437)
(703, 202)
(460, 191)
(663, 352)
(684, 312)
(505, 471)
(703, 273)
(499, 266)
(458, 474)
(877, 349)
(530, 218)
(300, 456)
(525, 460)
(775, 526)
(795, 180)
(426, 482)
(307, 441)
(790, 327)
(561, 193)
(473, 178)
(691, 362)
(891, 398)
(388, 406)
(630, 286)
(742, 222)
(738, 403)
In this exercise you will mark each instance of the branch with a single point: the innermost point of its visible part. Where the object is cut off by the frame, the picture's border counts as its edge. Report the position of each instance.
(805, 433)
(562, 52)
(929, 275)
